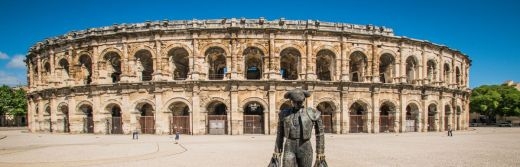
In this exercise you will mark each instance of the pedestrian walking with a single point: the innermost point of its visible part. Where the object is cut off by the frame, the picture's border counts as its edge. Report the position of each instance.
(177, 135)
(450, 131)
(135, 135)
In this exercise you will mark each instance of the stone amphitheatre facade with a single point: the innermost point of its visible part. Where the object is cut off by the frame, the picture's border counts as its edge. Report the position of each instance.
(228, 76)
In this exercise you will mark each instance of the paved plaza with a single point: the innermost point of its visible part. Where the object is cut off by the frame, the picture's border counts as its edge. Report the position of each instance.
(488, 146)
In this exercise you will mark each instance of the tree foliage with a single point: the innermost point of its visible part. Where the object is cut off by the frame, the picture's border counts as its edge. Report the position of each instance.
(12, 101)
(492, 100)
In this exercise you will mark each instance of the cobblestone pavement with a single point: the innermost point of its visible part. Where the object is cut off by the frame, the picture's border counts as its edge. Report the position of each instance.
(476, 147)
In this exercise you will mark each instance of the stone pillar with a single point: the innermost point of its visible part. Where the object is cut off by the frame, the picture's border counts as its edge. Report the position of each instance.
(401, 113)
(345, 113)
(193, 59)
(424, 117)
(41, 110)
(233, 51)
(161, 118)
(125, 68)
(97, 114)
(236, 120)
(73, 120)
(344, 60)
(273, 111)
(40, 69)
(127, 113)
(53, 117)
(95, 66)
(158, 72)
(274, 67)
(375, 64)
(310, 66)
(375, 109)
(402, 65)
(199, 122)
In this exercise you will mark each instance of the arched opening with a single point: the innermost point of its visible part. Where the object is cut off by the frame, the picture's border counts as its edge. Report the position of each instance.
(64, 69)
(358, 64)
(35, 75)
(412, 70)
(217, 118)
(47, 72)
(289, 63)
(386, 117)
(113, 66)
(447, 114)
(147, 118)
(47, 118)
(446, 73)
(88, 121)
(458, 114)
(325, 65)
(64, 109)
(432, 111)
(327, 115)
(253, 58)
(216, 59)
(357, 123)
(457, 76)
(253, 118)
(144, 65)
(431, 71)
(116, 125)
(412, 118)
(180, 120)
(178, 60)
(85, 71)
(386, 68)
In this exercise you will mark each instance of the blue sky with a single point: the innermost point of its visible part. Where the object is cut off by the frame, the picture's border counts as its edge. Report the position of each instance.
(486, 30)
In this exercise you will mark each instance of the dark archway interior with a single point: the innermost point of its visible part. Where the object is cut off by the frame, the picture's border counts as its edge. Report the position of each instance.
(386, 68)
(253, 63)
(325, 65)
(113, 63)
(289, 63)
(179, 63)
(253, 108)
(179, 109)
(216, 59)
(144, 57)
(358, 65)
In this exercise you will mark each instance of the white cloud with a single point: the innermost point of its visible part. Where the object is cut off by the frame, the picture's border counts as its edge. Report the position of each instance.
(17, 62)
(11, 80)
(3, 55)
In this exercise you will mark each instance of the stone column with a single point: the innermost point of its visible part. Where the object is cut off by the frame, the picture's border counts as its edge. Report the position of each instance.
(236, 120)
(53, 117)
(127, 113)
(97, 114)
(401, 113)
(375, 64)
(198, 120)
(233, 51)
(158, 73)
(75, 125)
(273, 114)
(311, 75)
(375, 109)
(95, 66)
(403, 65)
(161, 118)
(40, 69)
(125, 69)
(52, 76)
(345, 113)
(424, 117)
(344, 59)
(193, 59)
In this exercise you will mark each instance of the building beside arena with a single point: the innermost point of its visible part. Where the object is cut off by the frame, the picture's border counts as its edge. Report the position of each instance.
(228, 76)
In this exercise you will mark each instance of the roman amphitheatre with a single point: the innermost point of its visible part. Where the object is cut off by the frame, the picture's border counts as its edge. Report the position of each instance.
(228, 77)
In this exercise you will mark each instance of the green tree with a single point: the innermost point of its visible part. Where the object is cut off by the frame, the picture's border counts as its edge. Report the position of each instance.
(493, 100)
(12, 101)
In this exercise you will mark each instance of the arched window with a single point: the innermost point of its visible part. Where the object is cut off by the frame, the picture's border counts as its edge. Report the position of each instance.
(289, 63)
(85, 71)
(64, 67)
(457, 76)
(253, 63)
(113, 64)
(216, 59)
(358, 64)
(144, 65)
(178, 61)
(386, 68)
(431, 71)
(412, 70)
(325, 65)
(446, 73)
